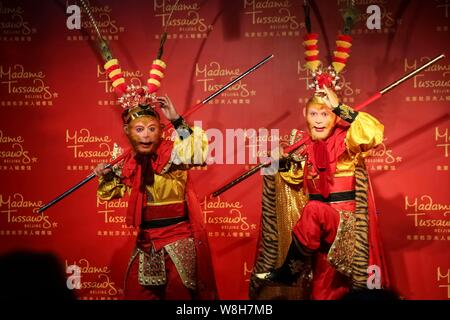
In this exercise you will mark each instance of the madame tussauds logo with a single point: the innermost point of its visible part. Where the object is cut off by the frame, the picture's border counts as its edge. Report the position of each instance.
(84, 145)
(443, 279)
(10, 205)
(108, 208)
(440, 72)
(382, 158)
(383, 153)
(12, 21)
(25, 84)
(15, 152)
(99, 282)
(423, 207)
(442, 140)
(262, 13)
(102, 16)
(190, 21)
(258, 143)
(234, 220)
(208, 73)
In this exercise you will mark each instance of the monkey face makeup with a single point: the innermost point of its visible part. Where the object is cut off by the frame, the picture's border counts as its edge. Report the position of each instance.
(320, 121)
(144, 134)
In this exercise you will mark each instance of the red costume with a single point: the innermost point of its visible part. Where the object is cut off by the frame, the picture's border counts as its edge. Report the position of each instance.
(171, 259)
(324, 211)
(332, 207)
(336, 224)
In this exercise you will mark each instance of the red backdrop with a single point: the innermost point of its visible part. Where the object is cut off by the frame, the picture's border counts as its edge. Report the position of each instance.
(58, 120)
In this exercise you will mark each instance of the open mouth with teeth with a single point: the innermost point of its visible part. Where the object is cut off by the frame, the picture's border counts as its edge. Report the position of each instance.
(319, 129)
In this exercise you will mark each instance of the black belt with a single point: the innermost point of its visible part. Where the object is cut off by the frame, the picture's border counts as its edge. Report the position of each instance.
(334, 197)
(162, 222)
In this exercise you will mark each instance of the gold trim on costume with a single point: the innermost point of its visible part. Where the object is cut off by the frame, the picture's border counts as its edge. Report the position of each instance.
(341, 252)
(290, 201)
(296, 155)
(183, 255)
(152, 268)
(345, 112)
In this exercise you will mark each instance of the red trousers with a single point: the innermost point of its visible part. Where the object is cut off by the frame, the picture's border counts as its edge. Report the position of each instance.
(174, 289)
(316, 230)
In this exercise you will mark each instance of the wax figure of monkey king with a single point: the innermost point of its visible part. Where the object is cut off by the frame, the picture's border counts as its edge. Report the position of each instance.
(171, 259)
(323, 206)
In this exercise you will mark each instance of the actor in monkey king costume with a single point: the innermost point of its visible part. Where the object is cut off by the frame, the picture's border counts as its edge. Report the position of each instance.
(323, 194)
(171, 259)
